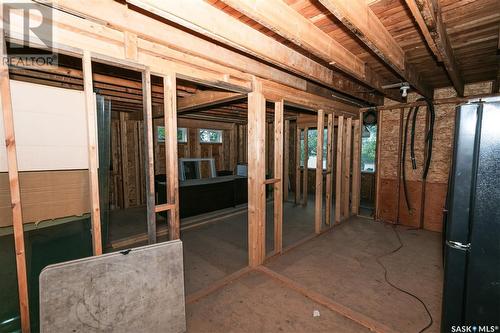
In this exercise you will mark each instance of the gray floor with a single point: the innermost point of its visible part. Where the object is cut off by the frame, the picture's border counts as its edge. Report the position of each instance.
(341, 265)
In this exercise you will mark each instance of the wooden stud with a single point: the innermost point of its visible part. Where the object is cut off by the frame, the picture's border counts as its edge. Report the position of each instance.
(130, 40)
(305, 179)
(124, 157)
(256, 175)
(377, 164)
(297, 164)
(356, 168)
(91, 114)
(318, 209)
(149, 156)
(15, 193)
(346, 187)
(286, 160)
(338, 176)
(329, 165)
(278, 174)
(170, 105)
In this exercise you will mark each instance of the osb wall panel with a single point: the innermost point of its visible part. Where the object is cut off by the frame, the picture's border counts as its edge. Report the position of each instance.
(388, 210)
(411, 217)
(420, 133)
(389, 139)
(435, 198)
(47, 195)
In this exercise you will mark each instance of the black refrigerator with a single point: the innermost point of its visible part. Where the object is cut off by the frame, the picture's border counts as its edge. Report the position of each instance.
(471, 246)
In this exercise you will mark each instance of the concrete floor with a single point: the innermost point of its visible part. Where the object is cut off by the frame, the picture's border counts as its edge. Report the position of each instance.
(341, 265)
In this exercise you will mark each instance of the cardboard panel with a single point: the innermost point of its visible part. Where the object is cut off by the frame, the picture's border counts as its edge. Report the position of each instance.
(139, 291)
(50, 128)
(47, 195)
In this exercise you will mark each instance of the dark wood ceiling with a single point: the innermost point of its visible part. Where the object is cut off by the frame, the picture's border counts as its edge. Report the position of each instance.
(472, 27)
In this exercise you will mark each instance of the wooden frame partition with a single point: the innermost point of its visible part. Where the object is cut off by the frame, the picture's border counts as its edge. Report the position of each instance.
(278, 176)
(346, 178)
(329, 168)
(15, 193)
(339, 171)
(318, 208)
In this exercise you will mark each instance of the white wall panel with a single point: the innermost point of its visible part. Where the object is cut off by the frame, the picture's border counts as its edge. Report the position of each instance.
(50, 128)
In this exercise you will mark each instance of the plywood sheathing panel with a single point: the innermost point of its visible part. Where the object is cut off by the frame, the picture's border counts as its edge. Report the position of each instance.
(389, 141)
(47, 195)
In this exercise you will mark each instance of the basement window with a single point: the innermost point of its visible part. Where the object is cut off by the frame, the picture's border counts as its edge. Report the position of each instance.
(368, 148)
(181, 134)
(210, 136)
(312, 141)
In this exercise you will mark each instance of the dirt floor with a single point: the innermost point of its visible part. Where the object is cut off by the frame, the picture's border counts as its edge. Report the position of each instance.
(340, 267)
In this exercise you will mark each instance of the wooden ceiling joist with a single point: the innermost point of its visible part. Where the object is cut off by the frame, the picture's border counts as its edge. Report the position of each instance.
(357, 16)
(203, 18)
(291, 25)
(427, 14)
(207, 98)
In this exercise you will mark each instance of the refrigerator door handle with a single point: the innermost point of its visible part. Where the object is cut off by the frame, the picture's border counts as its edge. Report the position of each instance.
(458, 245)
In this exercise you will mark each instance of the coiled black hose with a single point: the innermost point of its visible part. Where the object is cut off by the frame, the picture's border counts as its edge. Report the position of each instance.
(429, 138)
(403, 159)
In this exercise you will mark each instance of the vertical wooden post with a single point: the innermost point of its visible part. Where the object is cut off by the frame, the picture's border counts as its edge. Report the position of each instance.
(297, 165)
(256, 175)
(347, 167)
(15, 192)
(286, 159)
(329, 164)
(149, 156)
(318, 209)
(124, 156)
(377, 163)
(338, 176)
(305, 194)
(356, 169)
(170, 111)
(91, 113)
(278, 174)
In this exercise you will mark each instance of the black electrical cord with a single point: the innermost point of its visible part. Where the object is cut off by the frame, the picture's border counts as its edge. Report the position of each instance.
(429, 138)
(403, 159)
(431, 320)
(412, 138)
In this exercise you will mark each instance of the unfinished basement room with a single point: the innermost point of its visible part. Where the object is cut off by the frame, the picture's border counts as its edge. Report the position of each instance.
(250, 166)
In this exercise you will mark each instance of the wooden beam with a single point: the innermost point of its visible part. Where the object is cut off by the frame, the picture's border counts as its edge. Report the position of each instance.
(124, 157)
(305, 178)
(356, 167)
(346, 187)
(91, 114)
(297, 164)
(278, 174)
(15, 192)
(291, 25)
(286, 160)
(207, 98)
(256, 175)
(149, 168)
(329, 165)
(171, 146)
(318, 208)
(428, 16)
(338, 176)
(199, 16)
(357, 16)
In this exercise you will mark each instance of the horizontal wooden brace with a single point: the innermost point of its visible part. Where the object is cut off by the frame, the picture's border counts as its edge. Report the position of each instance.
(164, 207)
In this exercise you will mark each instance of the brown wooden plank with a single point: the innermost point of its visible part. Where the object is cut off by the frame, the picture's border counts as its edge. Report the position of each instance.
(286, 159)
(297, 165)
(339, 173)
(149, 156)
(91, 113)
(15, 193)
(318, 207)
(170, 105)
(278, 175)
(346, 186)
(356, 168)
(329, 165)
(256, 175)
(305, 174)
(124, 158)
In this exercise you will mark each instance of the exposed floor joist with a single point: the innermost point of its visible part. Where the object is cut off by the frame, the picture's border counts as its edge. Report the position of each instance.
(427, 14)
(357, 16)
(207, 98)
